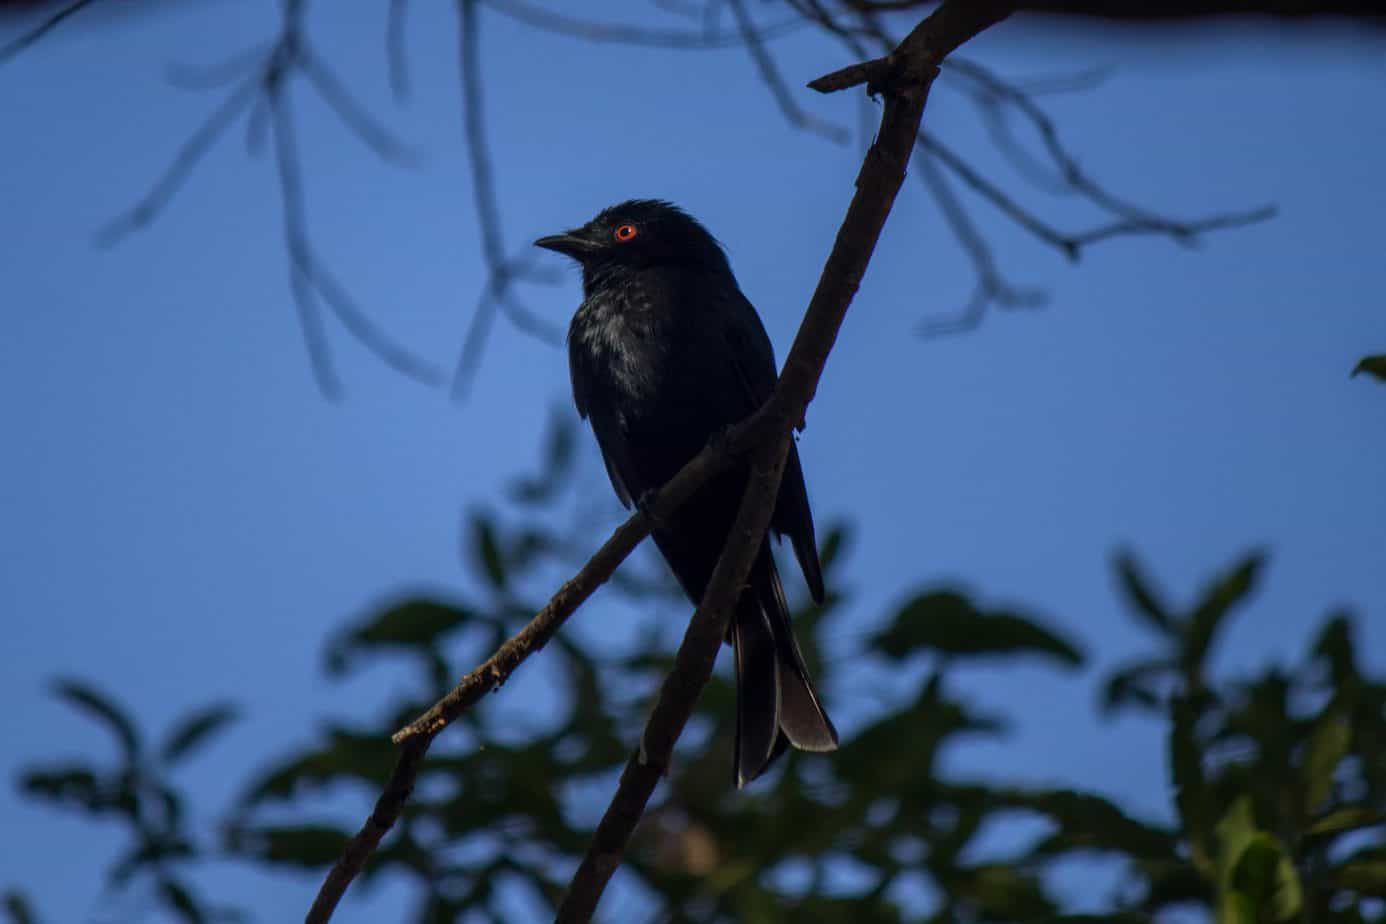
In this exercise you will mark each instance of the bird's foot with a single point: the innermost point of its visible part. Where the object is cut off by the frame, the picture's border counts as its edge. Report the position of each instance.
(645, 503)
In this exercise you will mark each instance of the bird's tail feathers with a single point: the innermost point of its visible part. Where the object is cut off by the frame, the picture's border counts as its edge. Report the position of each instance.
(777, 704)
(802, 716)
(757, 691)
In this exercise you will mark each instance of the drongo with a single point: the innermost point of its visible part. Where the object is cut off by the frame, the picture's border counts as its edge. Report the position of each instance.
(664, 353)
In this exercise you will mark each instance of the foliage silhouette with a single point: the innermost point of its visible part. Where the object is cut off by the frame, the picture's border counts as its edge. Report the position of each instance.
(1278, 778)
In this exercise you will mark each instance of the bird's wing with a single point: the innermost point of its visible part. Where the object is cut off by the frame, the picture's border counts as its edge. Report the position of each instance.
(753, 358)
(612, 443)
(606, 424)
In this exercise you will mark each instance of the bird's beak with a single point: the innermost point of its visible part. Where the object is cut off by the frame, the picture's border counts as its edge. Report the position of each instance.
(573, 244)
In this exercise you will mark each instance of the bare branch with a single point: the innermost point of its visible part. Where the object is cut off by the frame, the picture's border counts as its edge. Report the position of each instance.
(204, 77)
(311, 273)
(383, 817)
(415, 737)
(814, 12)
(375, 135)
(678, 694)
(995, 97)
(770, 74)
(905, 83)
(1132, 218)
(394, 49)
(13, 48)
(300, 282)
(498, 293)
(769, 428)
(188, 157)
(616, 33)
(265, 94)
(990, 286)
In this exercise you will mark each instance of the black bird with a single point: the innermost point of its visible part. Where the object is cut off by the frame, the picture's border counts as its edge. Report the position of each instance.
(665, 352)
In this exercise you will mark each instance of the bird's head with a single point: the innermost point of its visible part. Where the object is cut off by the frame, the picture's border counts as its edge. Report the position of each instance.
(637, 234)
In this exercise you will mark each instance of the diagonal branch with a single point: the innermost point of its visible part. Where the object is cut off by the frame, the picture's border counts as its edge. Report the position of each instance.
(1054, 168)
(621, 34)
(13, 48)
(904, 78)
(415, 738)
(1129, 218)
(768, 432)
(498, 294)
(990, 285)
(770, 74)
(264, 95)
(395, 50)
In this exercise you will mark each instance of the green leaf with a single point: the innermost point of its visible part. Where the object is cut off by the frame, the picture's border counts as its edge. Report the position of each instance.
(486, 550)
(834, 544)
(196, 730)
(1005, 893)
(306, 846)
(946, 622)
(1136, 684)
(897, 752)
(180, 900)
(17, 908)
(1266, 876)
(1089, 822)
(346, 757)
(1372, 365)
(1256, 879)
(1218, 599)
(1328, 745)
(1347, 819)
(87, 700)
(75, 784)
(152, 851)
(1144, 600)
(1335, 646)
(415, 622)
(1364, 872)
(1190, 791)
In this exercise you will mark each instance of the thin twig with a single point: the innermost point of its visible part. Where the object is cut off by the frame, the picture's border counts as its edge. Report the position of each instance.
(265, 94)
(300, 280)
(621, 34)
(27, 39)
(188, 156)
(994, 97)
(692, 668)
(880, 178)
(717, 456)
(395, 51)
(498, 293)
(204, 77)
(990, 286)
(359, 849)
(770, 74)
(1132, 219)
(334, 92)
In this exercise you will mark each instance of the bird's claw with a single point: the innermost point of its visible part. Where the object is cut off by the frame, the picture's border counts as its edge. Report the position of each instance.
(645, 503)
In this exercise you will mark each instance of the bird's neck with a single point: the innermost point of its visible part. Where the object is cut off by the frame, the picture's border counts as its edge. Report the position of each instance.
(610, 277)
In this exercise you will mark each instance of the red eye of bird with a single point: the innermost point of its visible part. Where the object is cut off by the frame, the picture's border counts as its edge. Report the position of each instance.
(625, 232)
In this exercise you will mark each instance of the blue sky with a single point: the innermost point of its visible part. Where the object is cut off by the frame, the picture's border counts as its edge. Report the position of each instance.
(185, 518)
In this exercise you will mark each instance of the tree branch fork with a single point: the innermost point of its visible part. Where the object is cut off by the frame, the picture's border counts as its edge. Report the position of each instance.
(903, 78)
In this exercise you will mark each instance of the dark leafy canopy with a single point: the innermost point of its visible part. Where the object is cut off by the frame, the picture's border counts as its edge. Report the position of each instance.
(1278, 779)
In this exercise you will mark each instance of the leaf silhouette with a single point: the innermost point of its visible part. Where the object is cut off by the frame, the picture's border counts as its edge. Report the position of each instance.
(196, 730)
(946, 622)
(87, 700)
